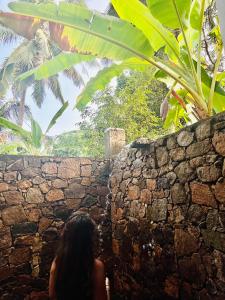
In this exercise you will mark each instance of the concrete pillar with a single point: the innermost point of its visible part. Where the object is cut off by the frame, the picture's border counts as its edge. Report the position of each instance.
(115, 140)
(220, 5)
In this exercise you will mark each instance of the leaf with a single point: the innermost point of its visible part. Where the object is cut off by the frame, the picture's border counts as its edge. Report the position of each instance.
(18, 130)
(56, 116)
(88, 32)
(103, 78)
(36, 134)
(59, 63)
(139, 15)
(166, 14)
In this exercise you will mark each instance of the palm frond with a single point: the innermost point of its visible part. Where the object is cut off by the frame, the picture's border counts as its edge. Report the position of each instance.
(7, 36)
(54, 86)
(74, 76)
(38, 93)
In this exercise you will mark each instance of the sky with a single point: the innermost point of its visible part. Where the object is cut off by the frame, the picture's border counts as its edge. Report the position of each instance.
(51, 105)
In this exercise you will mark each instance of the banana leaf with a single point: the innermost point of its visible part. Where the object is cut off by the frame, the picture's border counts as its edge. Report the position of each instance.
(139, 15)
(57, 116)
(87, 32)
(103, 78)
(36, 134)
(16, 129)
(59, 63)
(166, 14)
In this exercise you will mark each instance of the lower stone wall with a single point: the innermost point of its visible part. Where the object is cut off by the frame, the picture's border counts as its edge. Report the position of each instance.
(36, 197)
(168, 216)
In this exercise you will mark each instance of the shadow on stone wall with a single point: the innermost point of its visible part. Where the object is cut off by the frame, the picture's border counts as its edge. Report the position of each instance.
(37, 195)
(168, 216)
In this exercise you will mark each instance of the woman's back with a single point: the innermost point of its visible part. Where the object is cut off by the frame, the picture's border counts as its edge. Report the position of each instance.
(75, 274)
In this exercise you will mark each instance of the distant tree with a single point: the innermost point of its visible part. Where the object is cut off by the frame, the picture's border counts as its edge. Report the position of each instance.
(134, 104)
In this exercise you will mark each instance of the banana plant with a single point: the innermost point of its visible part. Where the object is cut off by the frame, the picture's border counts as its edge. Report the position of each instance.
(140, 34)
(33, 142)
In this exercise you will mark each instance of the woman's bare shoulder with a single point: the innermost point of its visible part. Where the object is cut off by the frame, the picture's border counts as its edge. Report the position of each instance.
(98, 264)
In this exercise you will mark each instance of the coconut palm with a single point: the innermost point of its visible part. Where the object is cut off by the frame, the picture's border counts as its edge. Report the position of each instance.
(9, 109)
(34, 49)
(28, 55)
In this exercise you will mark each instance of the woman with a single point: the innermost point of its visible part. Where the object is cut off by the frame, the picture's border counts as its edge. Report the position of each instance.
(75, 273)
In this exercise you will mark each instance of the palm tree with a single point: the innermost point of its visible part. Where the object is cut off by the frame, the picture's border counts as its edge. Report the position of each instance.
(9, 109)
(31, 53)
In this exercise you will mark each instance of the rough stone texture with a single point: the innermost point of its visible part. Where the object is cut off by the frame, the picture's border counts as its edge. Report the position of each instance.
(201, 194)
(69, 168)
(49, 168)
(185, 138)
(13, 215)
(169, 237)
(55, 195)
(218, 142)
(178, 193)
(208, 173)
(37, 195)
(34, 195)
(13, 197)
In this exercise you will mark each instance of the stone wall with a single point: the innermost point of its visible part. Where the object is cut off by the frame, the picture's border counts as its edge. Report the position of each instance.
(36, 197)
(168, 216)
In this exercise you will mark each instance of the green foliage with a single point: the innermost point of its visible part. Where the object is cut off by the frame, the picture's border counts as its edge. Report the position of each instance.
(33, 142)
(104, 36)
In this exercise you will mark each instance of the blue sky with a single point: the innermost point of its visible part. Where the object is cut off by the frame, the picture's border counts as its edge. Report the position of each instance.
(51, 105)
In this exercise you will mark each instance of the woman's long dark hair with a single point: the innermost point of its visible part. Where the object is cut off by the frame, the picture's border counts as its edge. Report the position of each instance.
(75, 259)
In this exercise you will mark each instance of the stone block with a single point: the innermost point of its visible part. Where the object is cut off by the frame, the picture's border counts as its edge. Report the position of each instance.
(201, 194)
(151, 184)
(13, 215)
(5, 238)
(178, 194)
(55, 195)
(208, 173)
(44, 224)
(33, 214)
(157, 211)
(69, 168)
(44, 187)
(24, 228)
(3, 187)
(203, 130)
(75, 190)
(146, 196)
(86, 171)
(219, 142)
(34, 195)
(24, 184)
(185, 243)
(162, 156)
(214, 238)
(59, 183)
(73, 203)
(220, 191)
(199, 148)
(177, 154)
(30, 172)
(88, 201)
(49, 168)
(38, 180)
(184, 172)
(10, 176)
(19, 256)
(16, 165)
(13, 197)
(133, 192)
(185, 138)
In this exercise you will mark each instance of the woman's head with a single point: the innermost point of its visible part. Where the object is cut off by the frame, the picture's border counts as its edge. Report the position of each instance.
(75, 258)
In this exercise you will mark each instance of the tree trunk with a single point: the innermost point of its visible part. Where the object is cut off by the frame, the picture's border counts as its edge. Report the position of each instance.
(22, 109)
